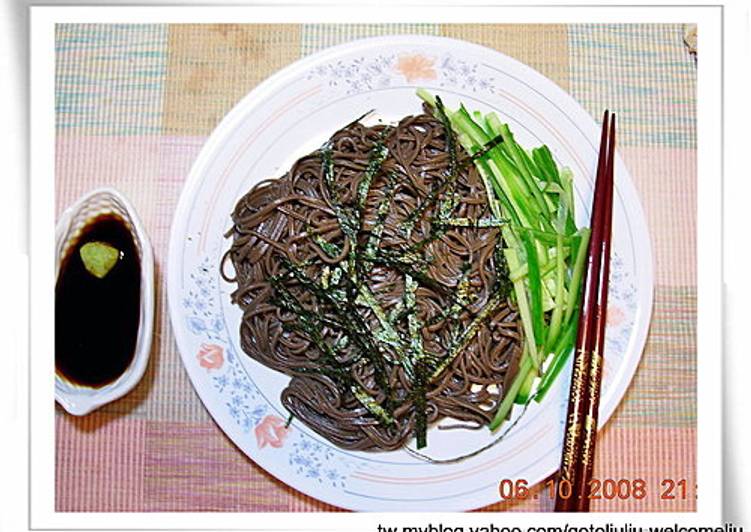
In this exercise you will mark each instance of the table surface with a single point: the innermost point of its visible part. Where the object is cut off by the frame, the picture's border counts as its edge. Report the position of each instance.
(134, 105)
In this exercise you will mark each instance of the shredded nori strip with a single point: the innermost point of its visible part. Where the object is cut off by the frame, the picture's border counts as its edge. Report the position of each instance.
(383, 210)
(350, 319)
(377, 156)
(481, 223)
(420, 405)
(468, 333)
(310, 325)
(446, 185)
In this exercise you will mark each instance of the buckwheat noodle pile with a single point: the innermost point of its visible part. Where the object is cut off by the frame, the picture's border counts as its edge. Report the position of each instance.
(372, 274)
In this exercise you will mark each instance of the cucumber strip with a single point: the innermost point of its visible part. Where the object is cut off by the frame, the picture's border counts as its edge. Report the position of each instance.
(545, 268)
(557, 315)
(504, 409)
(520, 291)
(545, 163)
(518, 157)
(576, 274)
(560, 355)
(525, 391)
(535, 289)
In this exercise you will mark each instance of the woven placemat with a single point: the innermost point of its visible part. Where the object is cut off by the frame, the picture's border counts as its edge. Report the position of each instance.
(134, 105)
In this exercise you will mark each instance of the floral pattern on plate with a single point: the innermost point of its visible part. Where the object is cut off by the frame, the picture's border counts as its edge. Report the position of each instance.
(384, 71)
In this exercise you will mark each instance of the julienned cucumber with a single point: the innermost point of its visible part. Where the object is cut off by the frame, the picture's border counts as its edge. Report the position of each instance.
(544, 249)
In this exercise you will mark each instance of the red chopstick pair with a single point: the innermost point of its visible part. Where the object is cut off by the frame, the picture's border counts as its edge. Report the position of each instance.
(577, 457)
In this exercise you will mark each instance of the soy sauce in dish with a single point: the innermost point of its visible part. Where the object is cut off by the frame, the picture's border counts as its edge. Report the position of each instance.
(97, 317)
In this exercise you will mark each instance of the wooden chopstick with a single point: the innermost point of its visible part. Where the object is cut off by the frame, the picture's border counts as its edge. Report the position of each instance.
(567, 491)
(581, 420)
(596, 362)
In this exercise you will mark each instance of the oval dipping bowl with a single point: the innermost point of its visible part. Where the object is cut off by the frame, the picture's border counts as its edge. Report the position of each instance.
(78, 399)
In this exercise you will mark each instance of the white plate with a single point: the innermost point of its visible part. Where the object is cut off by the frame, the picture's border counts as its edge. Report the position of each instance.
(291, 114)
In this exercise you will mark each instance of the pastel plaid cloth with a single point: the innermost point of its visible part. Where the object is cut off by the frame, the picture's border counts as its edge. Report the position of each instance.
(134, 105)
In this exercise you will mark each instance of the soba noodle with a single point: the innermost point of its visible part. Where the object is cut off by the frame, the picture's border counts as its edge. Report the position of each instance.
(370, 275)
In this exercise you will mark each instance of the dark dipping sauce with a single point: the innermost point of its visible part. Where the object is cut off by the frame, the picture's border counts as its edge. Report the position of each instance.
(96, 320)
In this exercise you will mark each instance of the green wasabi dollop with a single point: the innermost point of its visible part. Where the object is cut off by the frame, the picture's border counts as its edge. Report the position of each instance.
(99, 258)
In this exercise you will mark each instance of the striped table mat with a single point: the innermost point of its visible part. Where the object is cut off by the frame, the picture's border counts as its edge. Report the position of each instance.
(134, 105)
